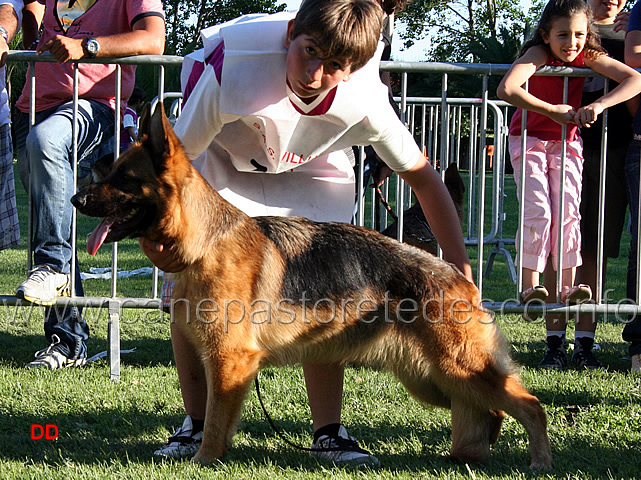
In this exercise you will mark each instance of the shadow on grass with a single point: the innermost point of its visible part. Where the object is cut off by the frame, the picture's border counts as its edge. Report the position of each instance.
(613, 355)
(16, 350)
(113, 435)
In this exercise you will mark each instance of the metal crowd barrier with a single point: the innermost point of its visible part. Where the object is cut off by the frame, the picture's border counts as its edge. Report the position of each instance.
(437, 124)
(112, 303)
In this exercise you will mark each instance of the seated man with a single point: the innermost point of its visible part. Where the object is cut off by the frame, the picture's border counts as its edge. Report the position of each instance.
(45, 154)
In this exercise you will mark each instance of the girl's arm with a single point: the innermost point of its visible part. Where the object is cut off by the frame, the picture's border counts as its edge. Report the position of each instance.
(440, 213)
(511, 87)
(629, 85)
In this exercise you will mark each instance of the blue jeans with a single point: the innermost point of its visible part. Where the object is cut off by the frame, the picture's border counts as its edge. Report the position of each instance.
(632, 329)
(45, 154)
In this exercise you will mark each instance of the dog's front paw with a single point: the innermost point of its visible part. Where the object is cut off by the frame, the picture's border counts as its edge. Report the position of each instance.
(205, 458)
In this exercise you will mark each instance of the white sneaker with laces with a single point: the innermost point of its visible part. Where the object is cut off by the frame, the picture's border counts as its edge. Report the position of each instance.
(183, 442)
(43, 286)
(343, 450)
(53, 359)
(636, 363)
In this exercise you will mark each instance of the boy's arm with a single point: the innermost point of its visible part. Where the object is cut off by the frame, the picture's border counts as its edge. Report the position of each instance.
(629, 85)
(440, 213)
(511, 87)
(199, 121)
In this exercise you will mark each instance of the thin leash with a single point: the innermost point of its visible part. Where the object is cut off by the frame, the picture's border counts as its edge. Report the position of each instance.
(281, 434)
(379, 195)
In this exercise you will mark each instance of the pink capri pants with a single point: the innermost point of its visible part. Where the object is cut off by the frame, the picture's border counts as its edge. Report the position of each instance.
(541, 198)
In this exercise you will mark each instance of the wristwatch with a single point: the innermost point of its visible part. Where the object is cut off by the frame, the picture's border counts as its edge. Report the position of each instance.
(90, 46)
(5, 34)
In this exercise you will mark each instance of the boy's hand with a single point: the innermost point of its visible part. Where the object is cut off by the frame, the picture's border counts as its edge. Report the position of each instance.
(587, 115)
(161, 256)
(381, 173)
(63, 48)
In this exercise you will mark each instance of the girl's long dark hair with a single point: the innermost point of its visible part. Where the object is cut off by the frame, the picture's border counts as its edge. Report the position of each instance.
(565, 9)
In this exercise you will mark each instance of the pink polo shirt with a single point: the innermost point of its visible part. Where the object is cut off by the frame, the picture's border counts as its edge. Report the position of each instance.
(92, 18)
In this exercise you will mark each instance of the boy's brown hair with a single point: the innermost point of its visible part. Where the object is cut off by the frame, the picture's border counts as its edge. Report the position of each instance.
(348, 29)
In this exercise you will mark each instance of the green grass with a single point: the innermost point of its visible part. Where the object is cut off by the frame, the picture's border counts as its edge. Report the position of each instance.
(109, 430)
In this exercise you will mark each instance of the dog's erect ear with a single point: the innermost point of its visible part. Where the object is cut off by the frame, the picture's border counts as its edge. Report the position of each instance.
(160, 138)
(145, 118)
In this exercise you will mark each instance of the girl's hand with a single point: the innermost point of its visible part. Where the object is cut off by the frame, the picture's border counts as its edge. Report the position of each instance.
(621, 22)
(161, 256)
(587, 115)
(562, 114)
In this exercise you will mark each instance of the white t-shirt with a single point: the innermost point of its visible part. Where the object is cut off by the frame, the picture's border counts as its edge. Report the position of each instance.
(243, 119)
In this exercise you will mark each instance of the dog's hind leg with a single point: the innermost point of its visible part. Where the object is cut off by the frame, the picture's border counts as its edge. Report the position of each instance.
(228, 379)
(473, 431)
(527, 410)
(477, 412)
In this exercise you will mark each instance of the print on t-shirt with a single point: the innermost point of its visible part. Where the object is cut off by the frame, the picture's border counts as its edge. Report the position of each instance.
(67, 11)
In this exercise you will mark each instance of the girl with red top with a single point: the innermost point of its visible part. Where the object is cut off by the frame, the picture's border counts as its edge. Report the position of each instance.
(564, 36)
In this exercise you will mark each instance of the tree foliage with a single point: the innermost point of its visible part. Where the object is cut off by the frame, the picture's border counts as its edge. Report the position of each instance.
(456, 28)
(463, 31)
(186, 18)
(184, 21)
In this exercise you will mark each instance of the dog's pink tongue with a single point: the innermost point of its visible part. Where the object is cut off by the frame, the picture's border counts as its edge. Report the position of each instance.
(98, 236)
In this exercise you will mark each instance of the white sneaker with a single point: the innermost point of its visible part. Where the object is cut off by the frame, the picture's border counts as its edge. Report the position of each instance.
(636, 363)
(43, 286)
(343, 450)
(182, 443)
(53, 359)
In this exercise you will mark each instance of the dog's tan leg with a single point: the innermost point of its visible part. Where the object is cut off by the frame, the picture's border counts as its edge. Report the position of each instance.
(228, 379)
(527, 409)
(473, 430)
(424, 389)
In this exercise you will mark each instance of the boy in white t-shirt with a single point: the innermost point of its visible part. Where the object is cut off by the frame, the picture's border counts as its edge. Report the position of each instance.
(272, 102)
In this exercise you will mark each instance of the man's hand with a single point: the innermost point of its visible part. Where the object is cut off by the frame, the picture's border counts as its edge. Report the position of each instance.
(161, 256)
(63, 48)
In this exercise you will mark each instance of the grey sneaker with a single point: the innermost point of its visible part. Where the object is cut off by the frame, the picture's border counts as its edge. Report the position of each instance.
(583, 357)
(555, 357)
(43, 286)
(53, 359)
(182, 443)
(343, 450)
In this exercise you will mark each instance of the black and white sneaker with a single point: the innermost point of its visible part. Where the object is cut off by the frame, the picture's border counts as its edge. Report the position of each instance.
(183, 443)
(53, 359)
(555, 357)
(342, 450)
(583, 357)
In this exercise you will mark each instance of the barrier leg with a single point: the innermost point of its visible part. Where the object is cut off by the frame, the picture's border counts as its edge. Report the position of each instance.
(113, 339)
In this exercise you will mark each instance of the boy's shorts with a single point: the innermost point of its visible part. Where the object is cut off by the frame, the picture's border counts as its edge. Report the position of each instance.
(616, 201)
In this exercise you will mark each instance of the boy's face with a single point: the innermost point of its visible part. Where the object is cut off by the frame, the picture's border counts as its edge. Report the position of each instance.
(309, 73)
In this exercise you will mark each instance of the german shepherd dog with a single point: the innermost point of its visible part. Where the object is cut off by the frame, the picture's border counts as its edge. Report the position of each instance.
(282, 291)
